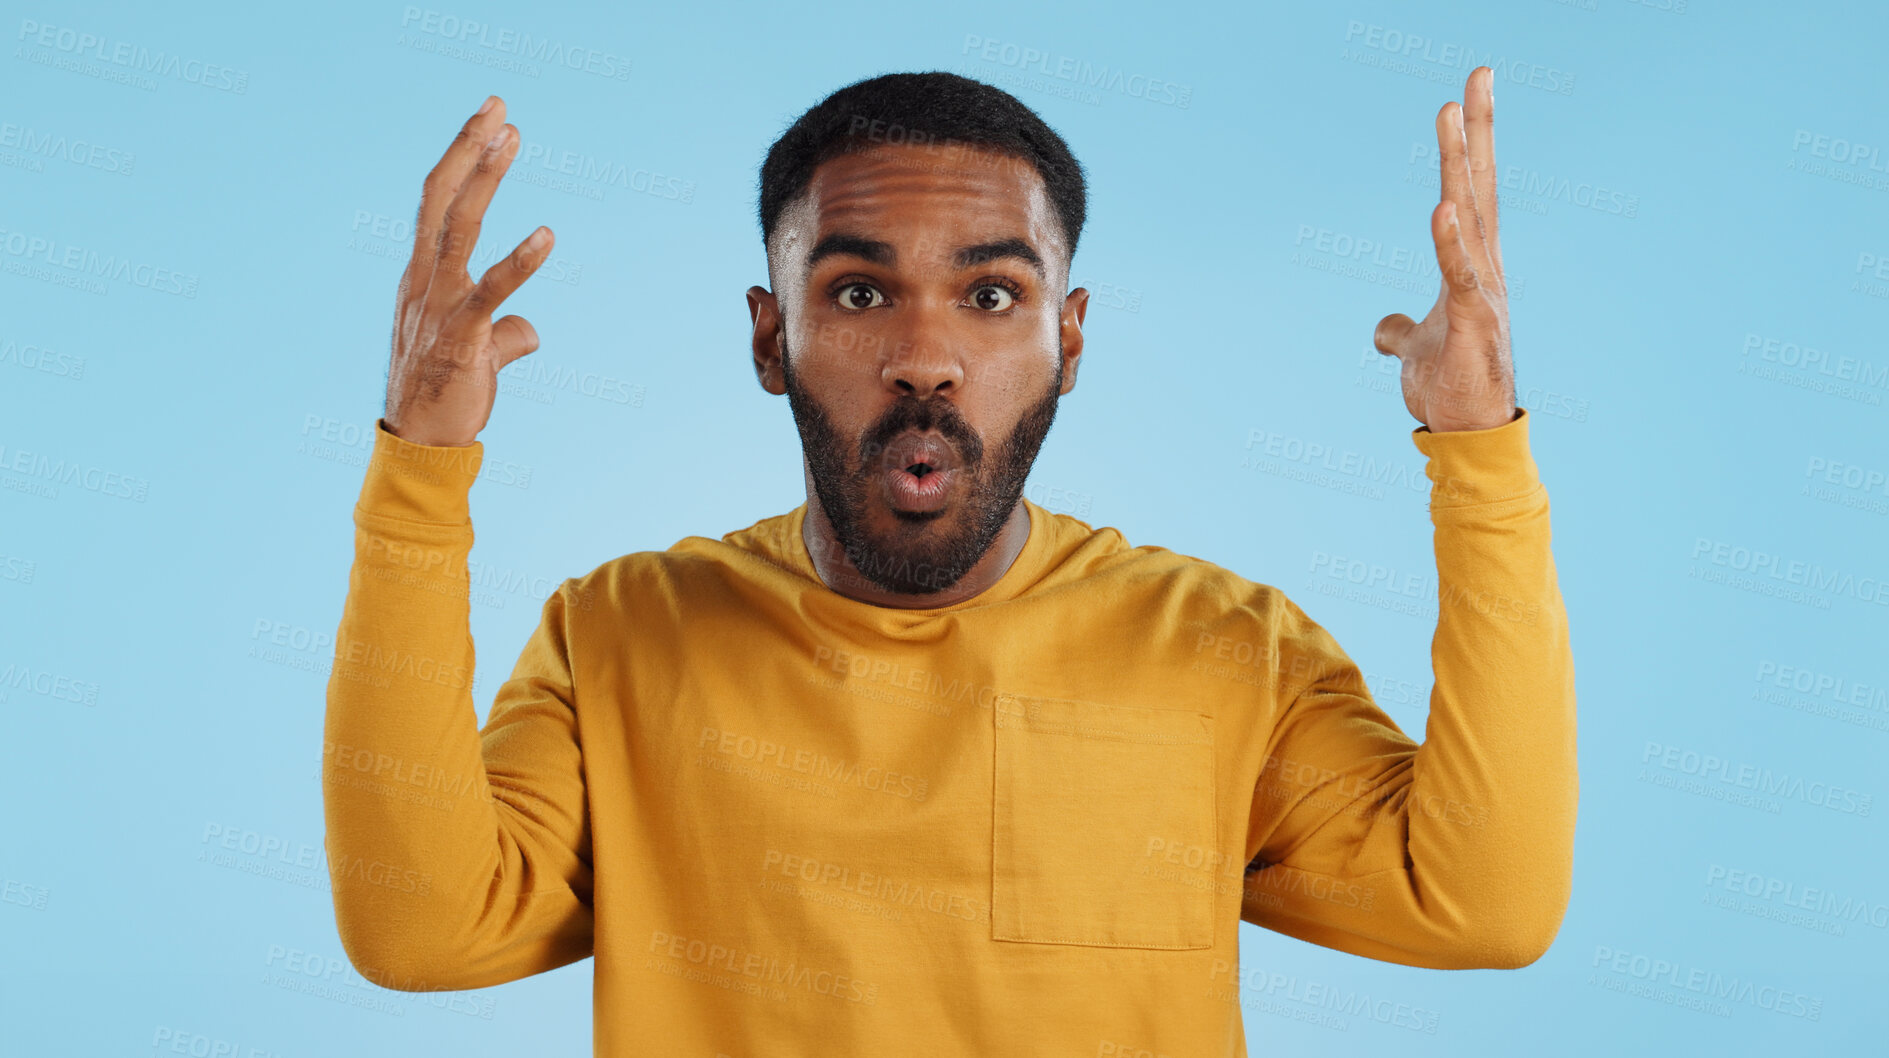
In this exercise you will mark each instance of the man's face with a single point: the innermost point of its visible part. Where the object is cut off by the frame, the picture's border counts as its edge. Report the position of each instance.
(921, 349)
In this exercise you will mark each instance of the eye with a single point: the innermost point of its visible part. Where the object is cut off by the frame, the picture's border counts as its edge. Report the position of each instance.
(854, 296)
(994, 296)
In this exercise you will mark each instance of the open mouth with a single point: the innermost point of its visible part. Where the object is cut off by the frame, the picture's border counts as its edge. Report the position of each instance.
(919, 470)
(920, 454)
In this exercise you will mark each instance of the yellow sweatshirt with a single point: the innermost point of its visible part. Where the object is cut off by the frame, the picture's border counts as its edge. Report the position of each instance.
(789, 823)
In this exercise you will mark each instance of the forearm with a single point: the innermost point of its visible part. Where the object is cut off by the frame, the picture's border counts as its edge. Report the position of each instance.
(1493, 790)
(1455, 852)
(427, 876)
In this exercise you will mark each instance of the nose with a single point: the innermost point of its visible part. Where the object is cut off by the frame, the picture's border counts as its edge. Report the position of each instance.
(920, 368)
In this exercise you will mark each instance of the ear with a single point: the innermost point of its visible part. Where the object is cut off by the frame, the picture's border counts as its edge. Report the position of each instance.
(1075, 307)
(764, 311)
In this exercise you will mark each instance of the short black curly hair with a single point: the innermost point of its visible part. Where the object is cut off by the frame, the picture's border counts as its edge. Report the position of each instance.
(936, 109)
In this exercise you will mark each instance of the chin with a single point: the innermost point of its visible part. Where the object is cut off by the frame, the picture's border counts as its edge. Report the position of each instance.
(900, 519)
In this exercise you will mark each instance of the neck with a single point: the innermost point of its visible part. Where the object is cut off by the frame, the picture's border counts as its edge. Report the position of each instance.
(838, 572)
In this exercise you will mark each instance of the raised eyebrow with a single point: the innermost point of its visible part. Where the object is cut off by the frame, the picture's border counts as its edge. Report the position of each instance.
(985, 252)
(883, 253)
(879, 253)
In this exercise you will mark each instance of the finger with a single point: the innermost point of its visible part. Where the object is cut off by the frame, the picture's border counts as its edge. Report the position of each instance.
(507, 275)
(1462, 282)
(443, 183)
(513, 337)
(465, 215)
(1454, 167)
(1479, 128)
(1390, 332)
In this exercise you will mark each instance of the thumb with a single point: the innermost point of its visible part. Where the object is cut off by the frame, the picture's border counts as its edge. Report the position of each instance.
(512, 338)
(1390, 332)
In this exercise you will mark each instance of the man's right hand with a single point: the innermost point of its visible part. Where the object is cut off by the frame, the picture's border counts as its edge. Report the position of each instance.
(447, 350)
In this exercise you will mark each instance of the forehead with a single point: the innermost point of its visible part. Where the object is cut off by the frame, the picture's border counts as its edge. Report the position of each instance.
(929, 198)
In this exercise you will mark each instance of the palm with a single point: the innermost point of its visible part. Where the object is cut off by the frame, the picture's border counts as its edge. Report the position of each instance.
(447, 350)
(1446, 371)
(1457, 370)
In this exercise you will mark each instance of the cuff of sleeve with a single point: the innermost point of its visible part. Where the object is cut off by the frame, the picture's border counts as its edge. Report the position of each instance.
(1470, 467)
(420, 483)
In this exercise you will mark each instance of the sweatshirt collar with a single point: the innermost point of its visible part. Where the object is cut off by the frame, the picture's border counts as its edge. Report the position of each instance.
(1026, 569)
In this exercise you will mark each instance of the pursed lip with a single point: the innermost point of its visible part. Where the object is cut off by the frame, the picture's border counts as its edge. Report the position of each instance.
(912, 447)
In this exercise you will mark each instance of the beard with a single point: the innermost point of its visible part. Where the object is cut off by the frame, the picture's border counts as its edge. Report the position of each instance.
(924, 552)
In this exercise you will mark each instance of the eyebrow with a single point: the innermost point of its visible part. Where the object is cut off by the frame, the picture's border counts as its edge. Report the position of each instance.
(882, 253)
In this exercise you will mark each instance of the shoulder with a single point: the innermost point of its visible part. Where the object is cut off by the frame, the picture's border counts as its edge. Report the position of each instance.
(688, 568)
(1218, 612)
(1181, 577)
(1203, 617)
(1197, 592)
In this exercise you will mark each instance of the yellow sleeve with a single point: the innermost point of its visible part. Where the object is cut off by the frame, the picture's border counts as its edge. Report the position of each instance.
(459, 858)
(1457, 853)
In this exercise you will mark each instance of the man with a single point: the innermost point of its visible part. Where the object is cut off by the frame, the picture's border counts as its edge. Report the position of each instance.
(920, 767)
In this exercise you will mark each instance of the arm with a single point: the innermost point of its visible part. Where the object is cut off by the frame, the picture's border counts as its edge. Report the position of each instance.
(1457, 853)
(459, 858)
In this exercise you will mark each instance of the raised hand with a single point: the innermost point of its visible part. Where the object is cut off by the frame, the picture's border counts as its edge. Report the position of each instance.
(1457, 370)
(447, 350)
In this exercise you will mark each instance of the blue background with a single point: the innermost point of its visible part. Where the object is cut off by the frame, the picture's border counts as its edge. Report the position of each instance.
(1684, 214)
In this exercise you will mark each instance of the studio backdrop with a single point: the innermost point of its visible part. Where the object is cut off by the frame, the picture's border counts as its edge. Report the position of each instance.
(206, 210)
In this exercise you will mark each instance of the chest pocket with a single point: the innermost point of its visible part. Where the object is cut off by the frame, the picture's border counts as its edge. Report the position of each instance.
(1083, 794)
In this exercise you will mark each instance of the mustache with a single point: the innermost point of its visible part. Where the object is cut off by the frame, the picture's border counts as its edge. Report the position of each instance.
(914, 414)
